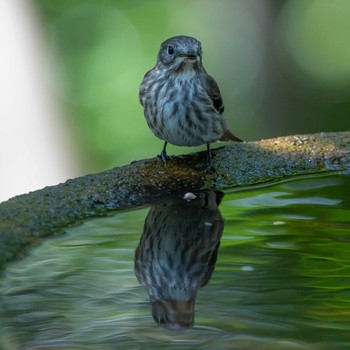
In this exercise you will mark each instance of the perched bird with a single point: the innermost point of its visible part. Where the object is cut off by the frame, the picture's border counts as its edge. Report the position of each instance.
(182, 102)
(177, 254)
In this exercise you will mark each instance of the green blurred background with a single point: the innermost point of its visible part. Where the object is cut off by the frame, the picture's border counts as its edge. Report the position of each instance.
(283, 67)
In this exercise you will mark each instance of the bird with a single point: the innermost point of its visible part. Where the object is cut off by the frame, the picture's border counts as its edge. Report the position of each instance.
(182, 103)
(177, 253)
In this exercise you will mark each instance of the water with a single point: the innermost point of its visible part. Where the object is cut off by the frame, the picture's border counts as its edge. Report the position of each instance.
(281, 278)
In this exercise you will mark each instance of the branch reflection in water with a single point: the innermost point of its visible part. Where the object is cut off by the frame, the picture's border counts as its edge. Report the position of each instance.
(177, 253)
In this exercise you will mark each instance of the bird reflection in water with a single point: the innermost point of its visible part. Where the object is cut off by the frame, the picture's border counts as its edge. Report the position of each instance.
(177, 253)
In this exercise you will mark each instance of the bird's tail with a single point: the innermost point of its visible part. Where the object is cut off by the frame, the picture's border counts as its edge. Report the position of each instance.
(228, 136)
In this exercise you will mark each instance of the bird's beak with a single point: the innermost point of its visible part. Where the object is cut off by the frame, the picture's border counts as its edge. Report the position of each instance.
(188, 57)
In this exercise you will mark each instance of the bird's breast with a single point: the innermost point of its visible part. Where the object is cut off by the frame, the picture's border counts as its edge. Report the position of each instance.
(179, 110)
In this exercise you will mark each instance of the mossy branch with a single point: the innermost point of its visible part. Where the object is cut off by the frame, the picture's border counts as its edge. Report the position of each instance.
(26, 219)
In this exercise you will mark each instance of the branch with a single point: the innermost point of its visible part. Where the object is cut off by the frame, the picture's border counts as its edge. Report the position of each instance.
(26, 219)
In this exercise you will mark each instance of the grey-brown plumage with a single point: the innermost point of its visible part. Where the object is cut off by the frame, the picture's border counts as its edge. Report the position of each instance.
(182, 103)
(177, 254)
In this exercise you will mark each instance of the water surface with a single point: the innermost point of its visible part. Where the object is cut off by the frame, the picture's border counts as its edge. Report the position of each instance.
(262, 268)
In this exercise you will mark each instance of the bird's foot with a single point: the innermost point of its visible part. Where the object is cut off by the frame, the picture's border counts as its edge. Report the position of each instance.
(164, 156)
(209, 168)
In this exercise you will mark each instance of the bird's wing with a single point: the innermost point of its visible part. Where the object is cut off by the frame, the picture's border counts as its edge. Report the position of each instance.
(214, 93)
(144, 85)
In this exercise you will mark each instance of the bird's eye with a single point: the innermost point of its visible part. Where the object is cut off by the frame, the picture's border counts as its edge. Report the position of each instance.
(171, 50)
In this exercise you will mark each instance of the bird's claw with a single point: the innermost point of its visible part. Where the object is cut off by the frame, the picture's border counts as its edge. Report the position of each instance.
(164, 156)
(209, 168)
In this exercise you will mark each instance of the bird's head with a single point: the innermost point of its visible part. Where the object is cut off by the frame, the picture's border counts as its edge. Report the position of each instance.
(174, 314)
(180, 51)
